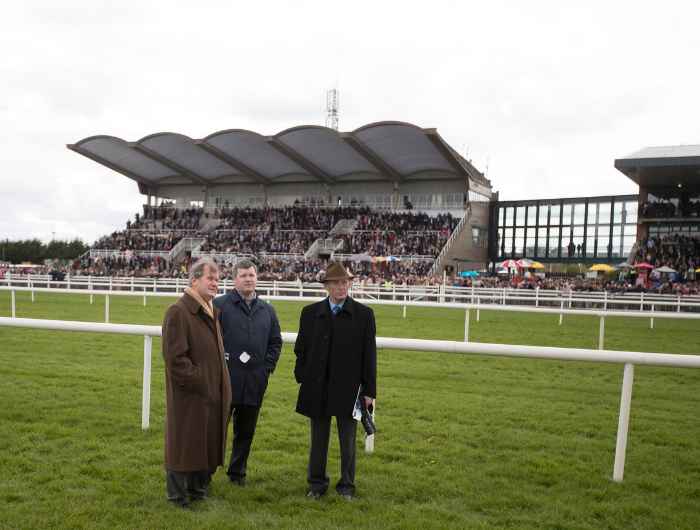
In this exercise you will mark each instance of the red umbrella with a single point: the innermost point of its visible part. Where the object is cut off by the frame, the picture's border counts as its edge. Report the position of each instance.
(643, 265)
(508, 264)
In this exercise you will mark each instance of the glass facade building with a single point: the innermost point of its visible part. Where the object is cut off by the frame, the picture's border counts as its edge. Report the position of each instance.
(584, 228)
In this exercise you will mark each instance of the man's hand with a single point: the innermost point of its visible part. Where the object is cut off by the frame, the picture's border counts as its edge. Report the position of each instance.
(369, 402)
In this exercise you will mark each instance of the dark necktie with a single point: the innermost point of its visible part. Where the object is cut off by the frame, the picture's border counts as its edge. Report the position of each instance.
(336, 309)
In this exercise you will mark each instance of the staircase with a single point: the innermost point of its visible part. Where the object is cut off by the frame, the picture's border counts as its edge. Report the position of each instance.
(329, 245)
(209, 224)
(461, 245)
(324, 247)
(343, 227)
(186, 244)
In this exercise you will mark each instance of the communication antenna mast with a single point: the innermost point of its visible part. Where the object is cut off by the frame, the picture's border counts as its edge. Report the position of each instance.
(332, 99)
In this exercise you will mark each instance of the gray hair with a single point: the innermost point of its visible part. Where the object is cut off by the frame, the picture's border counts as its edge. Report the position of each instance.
(199, 268)
(244, 263)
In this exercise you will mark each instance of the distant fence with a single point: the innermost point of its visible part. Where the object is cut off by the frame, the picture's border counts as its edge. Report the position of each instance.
(311, 294)
(435, 293)
(629, 359)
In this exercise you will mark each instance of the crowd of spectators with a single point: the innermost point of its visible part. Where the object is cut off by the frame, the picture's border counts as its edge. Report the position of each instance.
(392, 243)
(285, 230)
(578, 284)
(664, 209)
(679, 252)
(245, 241)
(141, 240)
(167, 217)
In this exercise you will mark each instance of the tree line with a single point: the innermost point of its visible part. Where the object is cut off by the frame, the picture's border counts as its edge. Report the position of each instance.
(34, 251)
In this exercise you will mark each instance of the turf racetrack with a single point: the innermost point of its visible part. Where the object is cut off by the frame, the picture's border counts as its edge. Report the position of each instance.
(463, 441)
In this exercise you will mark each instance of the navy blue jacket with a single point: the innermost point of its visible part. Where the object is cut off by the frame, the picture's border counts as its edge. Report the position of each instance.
(256, 331)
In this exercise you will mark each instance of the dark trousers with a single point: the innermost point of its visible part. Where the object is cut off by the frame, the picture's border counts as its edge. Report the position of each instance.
(185, 486)
(318, 455)
(244, 421)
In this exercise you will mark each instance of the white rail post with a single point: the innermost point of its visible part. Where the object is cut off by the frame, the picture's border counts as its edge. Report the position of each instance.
(155, 285)
(478, 311)
(651, 320)
(301, 288)
(623, 422)
(678, 310)
(32, 286)
(404, 306)
(107, 308)
(601, 333)
(466, 325)
(92, 296)
(69, 281)
(472, 297)
(537, 296)
(570, 295)
(605, 302)
(146, 401)
(561, 314)
(144, 296)
(132, 283)
(110, 283)
(12, 304)
(177, 285)
(641, 301)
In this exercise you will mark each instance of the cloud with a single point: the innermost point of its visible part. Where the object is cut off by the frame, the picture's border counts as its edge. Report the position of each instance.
(548, 93)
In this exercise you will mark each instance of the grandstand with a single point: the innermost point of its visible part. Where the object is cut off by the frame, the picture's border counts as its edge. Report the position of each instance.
(385, 198)
(393, 201)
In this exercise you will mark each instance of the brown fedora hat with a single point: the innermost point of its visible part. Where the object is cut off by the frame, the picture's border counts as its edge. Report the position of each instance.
(336, 271)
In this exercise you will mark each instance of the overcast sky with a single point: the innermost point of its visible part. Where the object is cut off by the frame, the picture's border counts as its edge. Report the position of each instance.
(545, 94)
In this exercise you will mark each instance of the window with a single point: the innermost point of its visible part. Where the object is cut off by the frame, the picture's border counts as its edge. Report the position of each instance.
(532, 215)
(544, 210)
(566, 217)
(592, 211)
(520, 216)
(509, 215)
(554, 211)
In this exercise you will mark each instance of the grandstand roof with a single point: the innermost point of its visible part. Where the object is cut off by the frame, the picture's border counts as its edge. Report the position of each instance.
(664, 167)
(387, 150)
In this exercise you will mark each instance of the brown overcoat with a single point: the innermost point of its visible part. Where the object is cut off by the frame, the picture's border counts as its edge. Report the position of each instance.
(197, 387)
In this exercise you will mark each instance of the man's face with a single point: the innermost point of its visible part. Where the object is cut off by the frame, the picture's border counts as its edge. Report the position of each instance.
(337, 290)
(207, 286)
(245, 281)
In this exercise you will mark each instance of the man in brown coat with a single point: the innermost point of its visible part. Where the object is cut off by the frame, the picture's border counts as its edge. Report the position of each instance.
(198, 388)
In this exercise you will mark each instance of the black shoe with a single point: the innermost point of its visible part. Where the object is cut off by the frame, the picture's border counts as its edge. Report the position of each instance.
(346, 495)
(315, 495)
(239, 481)
(180, 503)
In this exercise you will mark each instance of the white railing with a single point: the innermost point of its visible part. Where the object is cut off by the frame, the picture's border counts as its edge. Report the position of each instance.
(628, 359)
(316, 294)
(437, 293)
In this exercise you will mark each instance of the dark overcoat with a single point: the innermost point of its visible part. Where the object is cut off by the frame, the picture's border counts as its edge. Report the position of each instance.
(256, 331)
(335, 355)
(197, 387)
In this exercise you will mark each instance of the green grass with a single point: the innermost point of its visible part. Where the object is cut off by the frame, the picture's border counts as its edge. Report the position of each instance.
(464, 441)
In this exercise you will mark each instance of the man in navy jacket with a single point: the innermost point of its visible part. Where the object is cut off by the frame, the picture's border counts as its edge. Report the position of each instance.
(253, 342)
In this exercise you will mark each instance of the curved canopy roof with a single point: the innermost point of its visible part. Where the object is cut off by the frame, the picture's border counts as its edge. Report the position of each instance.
(389, 150)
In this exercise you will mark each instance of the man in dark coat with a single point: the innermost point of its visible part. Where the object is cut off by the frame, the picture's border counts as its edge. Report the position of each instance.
(253, 343)
(336, 363)
(197, 386)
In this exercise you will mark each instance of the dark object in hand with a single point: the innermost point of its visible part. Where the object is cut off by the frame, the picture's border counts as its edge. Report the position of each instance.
(367, 421)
